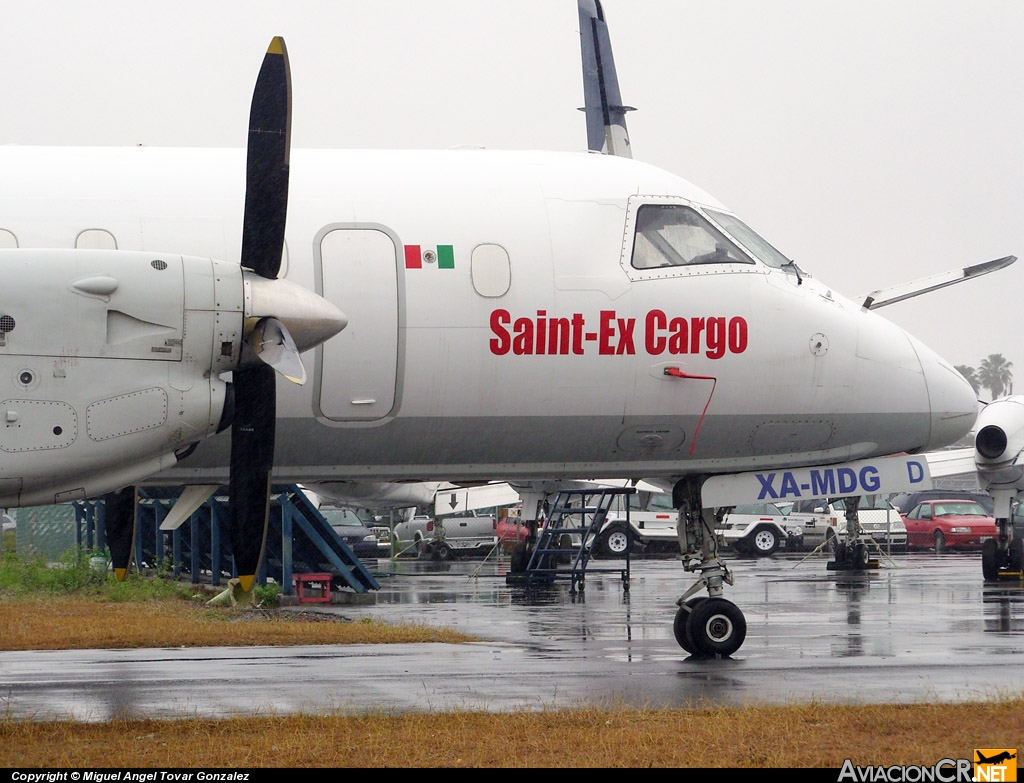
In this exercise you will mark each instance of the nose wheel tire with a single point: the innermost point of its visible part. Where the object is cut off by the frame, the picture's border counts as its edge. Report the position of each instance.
(679, 624)
(993, 562)
(861, 556)
(442, 551)
(520, 558)
(712, 626)
(1016, 555)
(990, 560)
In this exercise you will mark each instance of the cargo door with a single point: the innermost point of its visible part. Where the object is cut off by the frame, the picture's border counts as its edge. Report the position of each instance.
(359, 373)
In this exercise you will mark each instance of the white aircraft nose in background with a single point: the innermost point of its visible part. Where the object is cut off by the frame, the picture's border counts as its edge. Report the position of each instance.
(953, 402)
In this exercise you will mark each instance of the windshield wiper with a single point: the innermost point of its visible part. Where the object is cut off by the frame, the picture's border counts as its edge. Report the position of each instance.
(799, 280)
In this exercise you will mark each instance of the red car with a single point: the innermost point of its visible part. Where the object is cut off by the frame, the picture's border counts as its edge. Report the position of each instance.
(510, 531)
(952, 524)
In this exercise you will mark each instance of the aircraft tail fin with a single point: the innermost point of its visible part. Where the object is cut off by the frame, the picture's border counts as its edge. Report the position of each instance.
(606, 115)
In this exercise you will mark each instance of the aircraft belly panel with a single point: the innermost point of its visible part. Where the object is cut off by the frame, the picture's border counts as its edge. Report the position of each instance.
(431, 448)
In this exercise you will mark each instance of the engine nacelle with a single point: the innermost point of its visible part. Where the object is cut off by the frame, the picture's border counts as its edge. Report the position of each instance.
(999, 444)
(110, 362)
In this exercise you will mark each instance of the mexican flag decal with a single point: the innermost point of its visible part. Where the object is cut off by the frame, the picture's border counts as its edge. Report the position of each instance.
(417, 257)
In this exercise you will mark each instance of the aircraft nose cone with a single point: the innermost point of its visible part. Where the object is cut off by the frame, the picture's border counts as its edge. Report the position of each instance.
(953, 403)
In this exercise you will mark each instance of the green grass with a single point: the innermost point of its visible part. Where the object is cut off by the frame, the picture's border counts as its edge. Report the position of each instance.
(73, 574)
(71, 605)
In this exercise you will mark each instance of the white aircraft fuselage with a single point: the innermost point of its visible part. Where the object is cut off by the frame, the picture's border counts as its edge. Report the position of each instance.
(501, 325)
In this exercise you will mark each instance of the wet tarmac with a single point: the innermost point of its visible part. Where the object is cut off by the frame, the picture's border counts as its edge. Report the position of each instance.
(921, 628)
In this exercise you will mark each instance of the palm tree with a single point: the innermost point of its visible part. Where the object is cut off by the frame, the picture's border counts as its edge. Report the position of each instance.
(971, 375)
(995, 374)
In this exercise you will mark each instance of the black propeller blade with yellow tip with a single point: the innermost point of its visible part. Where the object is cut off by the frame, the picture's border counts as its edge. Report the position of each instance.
(266, 207)
(119, 524)
(281, 319)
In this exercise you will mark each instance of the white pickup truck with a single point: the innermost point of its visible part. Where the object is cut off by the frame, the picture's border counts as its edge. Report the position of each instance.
(443, 538)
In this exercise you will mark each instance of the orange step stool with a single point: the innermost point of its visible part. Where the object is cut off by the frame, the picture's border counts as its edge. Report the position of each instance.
(312, 588)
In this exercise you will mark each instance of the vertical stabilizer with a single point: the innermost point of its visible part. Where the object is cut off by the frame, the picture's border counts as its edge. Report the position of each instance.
(606, 116)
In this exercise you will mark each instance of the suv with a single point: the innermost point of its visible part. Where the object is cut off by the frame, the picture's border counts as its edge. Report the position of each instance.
(652, 520)
(356, 533)
(759, 529)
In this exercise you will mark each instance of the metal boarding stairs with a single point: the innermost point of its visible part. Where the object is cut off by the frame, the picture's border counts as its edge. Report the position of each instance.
(565, 543)
(299, 539)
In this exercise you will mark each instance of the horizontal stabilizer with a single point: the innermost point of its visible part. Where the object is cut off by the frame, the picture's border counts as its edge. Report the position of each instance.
(887, 296)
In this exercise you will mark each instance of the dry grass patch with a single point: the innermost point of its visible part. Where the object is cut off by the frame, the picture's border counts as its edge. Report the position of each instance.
(72, 622)
(811, 735)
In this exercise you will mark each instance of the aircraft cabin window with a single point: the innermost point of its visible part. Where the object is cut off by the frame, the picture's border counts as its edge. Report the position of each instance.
(491, 270)
(674, 235)
(7, 239)
(750, 239)
(95, 239)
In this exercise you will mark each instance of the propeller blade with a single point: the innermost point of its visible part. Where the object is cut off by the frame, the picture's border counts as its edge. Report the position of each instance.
(266, 207)
(252, 458)
(273, 344)
(119, 522)
(266, 172)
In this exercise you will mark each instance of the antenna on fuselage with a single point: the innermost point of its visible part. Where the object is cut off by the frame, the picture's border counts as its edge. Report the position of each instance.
(606, 116)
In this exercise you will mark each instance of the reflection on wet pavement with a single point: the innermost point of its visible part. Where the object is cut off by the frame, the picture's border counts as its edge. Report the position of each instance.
(921, 628)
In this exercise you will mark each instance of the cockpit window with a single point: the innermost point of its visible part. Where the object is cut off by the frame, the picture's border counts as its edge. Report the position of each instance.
(750, 239)
(674, 235)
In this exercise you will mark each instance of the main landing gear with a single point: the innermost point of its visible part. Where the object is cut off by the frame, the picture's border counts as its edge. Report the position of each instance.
(1002, 557)
(704, 625)
(851, 554)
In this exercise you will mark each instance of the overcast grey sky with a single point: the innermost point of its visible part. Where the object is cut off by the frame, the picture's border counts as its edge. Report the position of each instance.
(873, 141)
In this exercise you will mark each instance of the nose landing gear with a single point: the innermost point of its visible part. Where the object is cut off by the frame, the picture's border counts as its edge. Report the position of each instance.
(704, 625)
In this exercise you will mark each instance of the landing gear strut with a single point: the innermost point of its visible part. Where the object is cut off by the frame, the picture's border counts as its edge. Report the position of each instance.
(711, 625)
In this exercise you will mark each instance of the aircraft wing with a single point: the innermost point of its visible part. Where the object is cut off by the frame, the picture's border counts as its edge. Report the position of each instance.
(191, 498)
(897, 293)
(950, 463)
